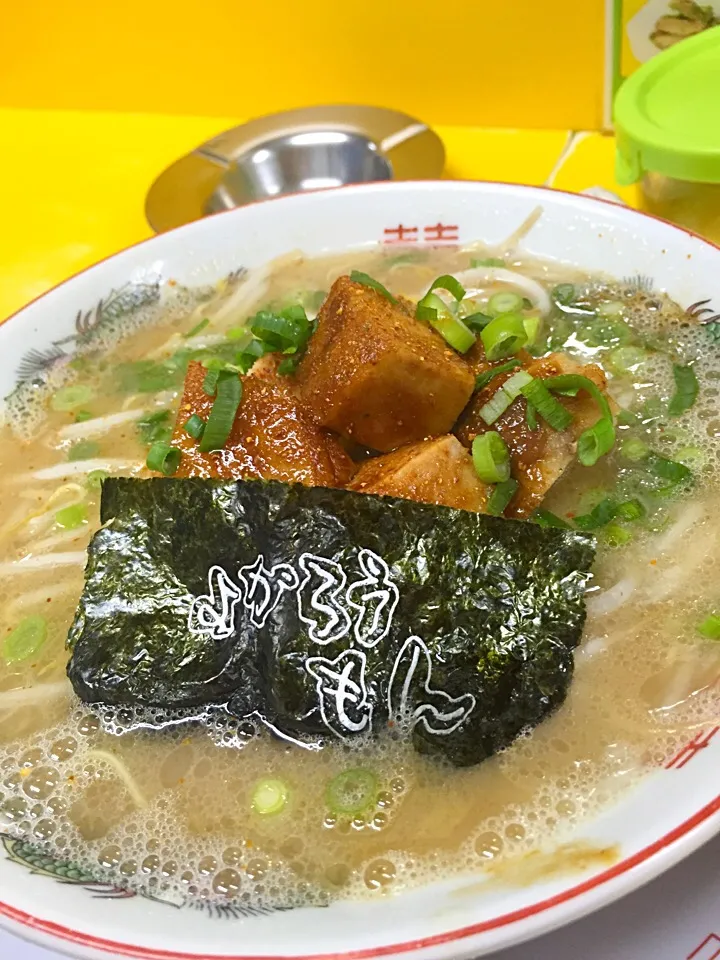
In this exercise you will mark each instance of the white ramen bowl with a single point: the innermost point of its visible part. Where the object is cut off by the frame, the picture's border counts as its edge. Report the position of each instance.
(674, 810)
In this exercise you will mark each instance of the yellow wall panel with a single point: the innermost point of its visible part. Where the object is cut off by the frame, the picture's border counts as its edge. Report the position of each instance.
(526, 63)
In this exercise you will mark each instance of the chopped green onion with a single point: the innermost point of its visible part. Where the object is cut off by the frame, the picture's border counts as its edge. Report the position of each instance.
(607, 510)
(82, 416)
(314, 299)
(94, 479)
(210, 382)
(476, 321)
(491, 457)
(590, 498)
(71, 517)
(495, 407)
(674, 434)
(487, 262)
(289, 365)
(236, 333)
(532, 329)
(605, 332)
(545, 518)
(550, 409)
(504, 336)
(598, 440)
(198, 328)
(71, 397)
(411, 256)
(222, 416)
(352, 791)
(686, 390)
(626, 360)
(611, 308)
(501, 497)
(690, 456)
(83, 450)
(269, 797)
(296, 312)
(218, 364)
(194, 426)
(504, 303)
(634, 449)
(252, 352)
(595, 442)
(710, 627)
(502, 398)
(627, 419)
(281, 331)
(668, 469)
(358, 277)
(25, 640)
(531, 416)
(652, 409)
(514, 384)
(599, 516)
(163, 458)
(154, 427)
(617, 535)
(449, 283)
(451, 328)
(560, 330)
(149, 376)
(564, 293)
(483, 379)
(630, 510)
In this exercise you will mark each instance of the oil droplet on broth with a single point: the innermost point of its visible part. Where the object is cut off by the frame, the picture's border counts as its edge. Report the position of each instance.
(232, 856)
(488, 845)
(379, 873)
(41, 783)
(110, 856)
(337, 874)
(515, 831)
(207, 866)
(44, 829)
(13, 810)
(63, 749)
(256, 868)
(227, 883)
(88, 725)
(566, 808)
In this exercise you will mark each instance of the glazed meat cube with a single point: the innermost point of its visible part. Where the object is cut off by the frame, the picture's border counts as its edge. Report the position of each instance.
(479, 363)
(376, 375)
(432, 471)
(273, 437)
(539, 457)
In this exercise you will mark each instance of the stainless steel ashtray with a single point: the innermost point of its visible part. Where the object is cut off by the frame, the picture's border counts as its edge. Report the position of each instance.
(308, 149)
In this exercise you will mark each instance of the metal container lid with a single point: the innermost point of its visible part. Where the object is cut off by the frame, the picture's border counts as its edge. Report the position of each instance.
(307, 149)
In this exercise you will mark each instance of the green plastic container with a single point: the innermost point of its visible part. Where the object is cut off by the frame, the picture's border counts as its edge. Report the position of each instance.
(667, 122)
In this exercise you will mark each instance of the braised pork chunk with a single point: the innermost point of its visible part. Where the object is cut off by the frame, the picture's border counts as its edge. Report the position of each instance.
(539, 457)
(376, 375)
(432, 471)
(273, 437)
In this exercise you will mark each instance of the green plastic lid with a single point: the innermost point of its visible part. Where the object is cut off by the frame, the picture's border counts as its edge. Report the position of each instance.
(667, 114)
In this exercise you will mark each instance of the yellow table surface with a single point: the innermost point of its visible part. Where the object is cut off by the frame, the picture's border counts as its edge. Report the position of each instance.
(73, 184)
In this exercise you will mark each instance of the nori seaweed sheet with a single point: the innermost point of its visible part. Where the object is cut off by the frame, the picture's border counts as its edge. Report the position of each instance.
(459, 624)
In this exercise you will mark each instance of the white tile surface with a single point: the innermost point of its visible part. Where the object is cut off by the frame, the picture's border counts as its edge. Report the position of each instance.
(674, 918)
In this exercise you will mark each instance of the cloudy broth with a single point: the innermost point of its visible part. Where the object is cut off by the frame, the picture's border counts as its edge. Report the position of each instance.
(169, 811)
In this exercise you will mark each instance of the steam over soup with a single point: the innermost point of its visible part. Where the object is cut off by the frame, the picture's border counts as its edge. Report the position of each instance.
(516, 399)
